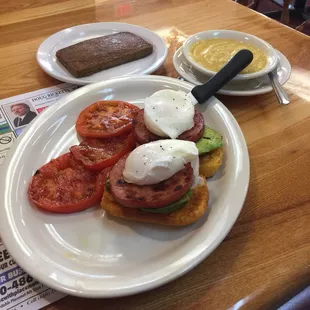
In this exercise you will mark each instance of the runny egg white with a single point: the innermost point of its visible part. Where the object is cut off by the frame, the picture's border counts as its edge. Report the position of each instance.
(157, 161)
(168, 113)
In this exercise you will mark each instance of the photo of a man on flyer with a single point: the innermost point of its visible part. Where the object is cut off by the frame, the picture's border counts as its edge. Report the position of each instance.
(23, 113)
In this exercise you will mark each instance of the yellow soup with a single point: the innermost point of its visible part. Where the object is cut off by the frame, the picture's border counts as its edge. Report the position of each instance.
(213, 54)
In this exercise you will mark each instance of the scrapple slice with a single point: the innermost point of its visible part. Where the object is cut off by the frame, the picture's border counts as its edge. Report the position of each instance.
(94, 55)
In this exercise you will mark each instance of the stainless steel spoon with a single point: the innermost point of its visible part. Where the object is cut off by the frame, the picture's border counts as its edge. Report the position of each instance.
(282, 96)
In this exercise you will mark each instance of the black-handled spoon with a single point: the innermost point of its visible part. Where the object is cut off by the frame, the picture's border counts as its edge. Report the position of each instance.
(236, 64)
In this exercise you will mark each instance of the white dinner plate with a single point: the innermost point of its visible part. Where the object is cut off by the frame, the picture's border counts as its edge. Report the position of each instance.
(46, 54)
(92, 254)
(252, 87)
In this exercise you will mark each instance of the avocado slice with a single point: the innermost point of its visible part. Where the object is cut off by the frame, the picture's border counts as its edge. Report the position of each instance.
(172, 207)
(107, 185)
(210, 140)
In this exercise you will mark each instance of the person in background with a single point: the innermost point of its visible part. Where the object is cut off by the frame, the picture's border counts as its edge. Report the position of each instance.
(24, 114)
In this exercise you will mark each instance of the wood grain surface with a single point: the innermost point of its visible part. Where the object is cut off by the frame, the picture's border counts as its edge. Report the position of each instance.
(265, 259)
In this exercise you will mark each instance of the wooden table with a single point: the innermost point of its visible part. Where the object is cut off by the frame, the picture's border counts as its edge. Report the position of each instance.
(265, 259)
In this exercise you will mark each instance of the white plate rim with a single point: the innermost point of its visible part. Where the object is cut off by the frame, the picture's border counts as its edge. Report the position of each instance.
(260, 91)
(9, 236)
(81, 81)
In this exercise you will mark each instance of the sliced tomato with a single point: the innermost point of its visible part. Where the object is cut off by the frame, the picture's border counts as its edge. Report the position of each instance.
(105, 119)
(97, 154)
(64, 185)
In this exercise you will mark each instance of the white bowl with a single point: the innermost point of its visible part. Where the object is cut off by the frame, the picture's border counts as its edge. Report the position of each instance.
(272, 58)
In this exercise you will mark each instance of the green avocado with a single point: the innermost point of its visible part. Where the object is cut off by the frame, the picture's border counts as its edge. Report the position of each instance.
(210, 140)
(107, 185)
(172, 207)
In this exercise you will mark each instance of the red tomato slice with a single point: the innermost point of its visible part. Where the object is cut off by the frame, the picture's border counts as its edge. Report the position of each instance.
(64, 185)
(105, 119)
(97, 154)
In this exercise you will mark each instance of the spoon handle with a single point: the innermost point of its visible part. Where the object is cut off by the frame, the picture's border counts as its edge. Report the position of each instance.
(278, 89)
(236, 64)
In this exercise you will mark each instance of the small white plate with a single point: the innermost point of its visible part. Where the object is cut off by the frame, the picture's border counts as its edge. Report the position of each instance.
(92, 254)
(252, 87)
(46, 54)
(266, 48)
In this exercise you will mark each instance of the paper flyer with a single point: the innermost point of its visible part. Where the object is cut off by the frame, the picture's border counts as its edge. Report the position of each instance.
(18, 290)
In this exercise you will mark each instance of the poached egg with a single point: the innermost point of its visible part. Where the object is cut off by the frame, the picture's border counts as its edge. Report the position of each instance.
(168, 113)
(157, 161)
